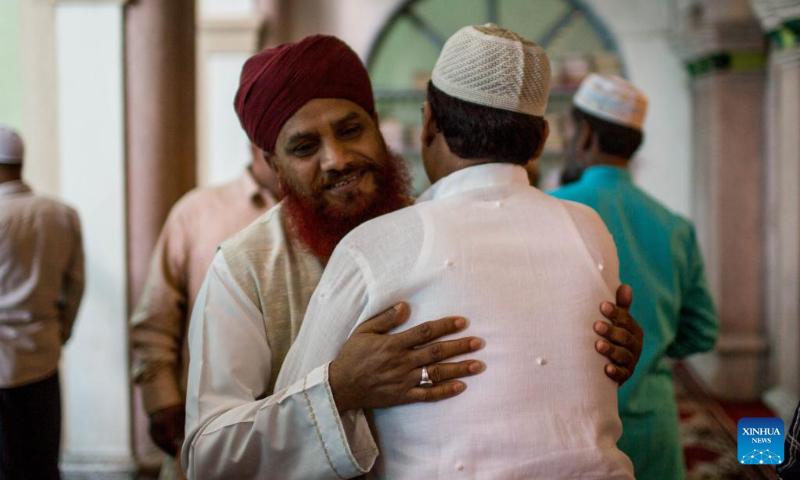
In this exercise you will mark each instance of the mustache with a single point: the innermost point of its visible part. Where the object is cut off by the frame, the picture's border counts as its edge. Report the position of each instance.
(332, 177)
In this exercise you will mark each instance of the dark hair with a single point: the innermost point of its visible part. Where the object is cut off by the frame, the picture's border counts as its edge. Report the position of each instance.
(614, 139)
(477, 131)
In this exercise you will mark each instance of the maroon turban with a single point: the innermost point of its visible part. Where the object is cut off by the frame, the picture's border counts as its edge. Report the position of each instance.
(277, 82)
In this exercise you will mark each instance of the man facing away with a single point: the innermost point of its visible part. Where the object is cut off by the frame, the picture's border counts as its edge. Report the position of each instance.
(196, 225)
(526, 270)
(309, 106)
(41, 285)
(659, 256)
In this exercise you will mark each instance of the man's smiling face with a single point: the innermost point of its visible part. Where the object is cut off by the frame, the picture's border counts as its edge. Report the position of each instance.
(330, 152)
(336, 171)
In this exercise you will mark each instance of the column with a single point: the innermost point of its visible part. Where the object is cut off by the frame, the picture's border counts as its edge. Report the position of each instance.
(161, 144)
(160, 80)
(781, 22)
(91, 135)
(724, 50)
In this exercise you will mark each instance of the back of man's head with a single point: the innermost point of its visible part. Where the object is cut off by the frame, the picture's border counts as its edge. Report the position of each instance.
(615, 111)
(12, 152)
(488, 94)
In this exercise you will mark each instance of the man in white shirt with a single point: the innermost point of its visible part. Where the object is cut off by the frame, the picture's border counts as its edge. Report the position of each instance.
(41, 286)
(526, 269)
(309, 106)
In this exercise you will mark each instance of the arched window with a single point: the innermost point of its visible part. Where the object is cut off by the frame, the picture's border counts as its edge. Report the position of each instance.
(402, 58)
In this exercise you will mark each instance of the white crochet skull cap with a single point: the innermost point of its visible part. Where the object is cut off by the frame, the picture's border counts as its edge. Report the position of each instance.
(613, 99)
(489, 65)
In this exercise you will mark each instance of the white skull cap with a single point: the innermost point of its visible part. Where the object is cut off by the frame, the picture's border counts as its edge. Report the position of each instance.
(489, 65)
(12, 150)
(613, 99)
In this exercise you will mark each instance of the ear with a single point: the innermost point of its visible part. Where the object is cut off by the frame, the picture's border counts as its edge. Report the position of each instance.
(585, 137)
(429, 128)
(270, 159)
(545, 134)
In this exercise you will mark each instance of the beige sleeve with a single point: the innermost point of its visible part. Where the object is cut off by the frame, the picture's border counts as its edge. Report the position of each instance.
(74, 281)
(158, 322)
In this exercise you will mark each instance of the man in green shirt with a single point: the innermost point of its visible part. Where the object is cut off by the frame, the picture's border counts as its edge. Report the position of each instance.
(658, 256)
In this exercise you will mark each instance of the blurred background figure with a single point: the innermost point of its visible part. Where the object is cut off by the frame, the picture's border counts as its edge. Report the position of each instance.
(659, 256)
(41, 285)
(197, 224)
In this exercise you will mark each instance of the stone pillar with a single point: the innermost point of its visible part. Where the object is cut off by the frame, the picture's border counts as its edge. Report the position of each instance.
(161, 143)
(160, 81)
(91, 137)
(724, 49)
(781, 23)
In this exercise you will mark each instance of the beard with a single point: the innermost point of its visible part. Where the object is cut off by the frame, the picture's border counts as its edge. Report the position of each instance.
(320, 225)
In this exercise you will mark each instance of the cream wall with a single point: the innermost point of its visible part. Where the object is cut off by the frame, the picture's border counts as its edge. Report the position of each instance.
(11, 79)
(97, 425)
(229, 33)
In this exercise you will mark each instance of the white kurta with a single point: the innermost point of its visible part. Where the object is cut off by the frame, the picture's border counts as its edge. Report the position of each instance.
(528, 272)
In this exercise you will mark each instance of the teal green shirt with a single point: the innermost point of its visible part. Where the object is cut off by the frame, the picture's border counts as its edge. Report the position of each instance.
(660, 258)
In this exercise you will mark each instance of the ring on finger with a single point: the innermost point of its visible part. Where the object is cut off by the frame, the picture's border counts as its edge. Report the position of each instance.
(425, 381)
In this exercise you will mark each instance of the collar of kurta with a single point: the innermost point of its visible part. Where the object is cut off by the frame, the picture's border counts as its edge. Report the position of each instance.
(479, 176)
(15, 187)
(605, 172)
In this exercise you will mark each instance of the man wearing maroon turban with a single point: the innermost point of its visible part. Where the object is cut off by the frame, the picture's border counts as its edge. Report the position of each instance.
(309, 106)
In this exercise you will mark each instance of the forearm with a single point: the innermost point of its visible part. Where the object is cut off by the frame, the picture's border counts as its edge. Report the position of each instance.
(280, 436)
(160, 388)
(155, 366)
(71, 301)
(690, 341)
(157, 338)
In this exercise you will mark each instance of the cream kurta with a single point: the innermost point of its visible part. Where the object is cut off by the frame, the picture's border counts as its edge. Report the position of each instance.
(41, 282)
(483, 244)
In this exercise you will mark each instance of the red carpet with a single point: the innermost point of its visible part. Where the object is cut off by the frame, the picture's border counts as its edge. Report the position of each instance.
(708, 428)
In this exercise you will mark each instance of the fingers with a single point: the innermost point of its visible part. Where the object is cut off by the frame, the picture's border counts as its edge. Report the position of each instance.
(386, 320)
(429, 331)
(609, 310)
(624, 301)
(443, 372)
(624, 296)
(618, 374)
(617, 335)
(440, 351)
(435, 393)
(619, 355)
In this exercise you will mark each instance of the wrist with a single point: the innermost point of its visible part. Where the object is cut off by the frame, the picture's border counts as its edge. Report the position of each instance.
(338, 382)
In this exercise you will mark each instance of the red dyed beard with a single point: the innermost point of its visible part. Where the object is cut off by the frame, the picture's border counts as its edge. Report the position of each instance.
(320, 226)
